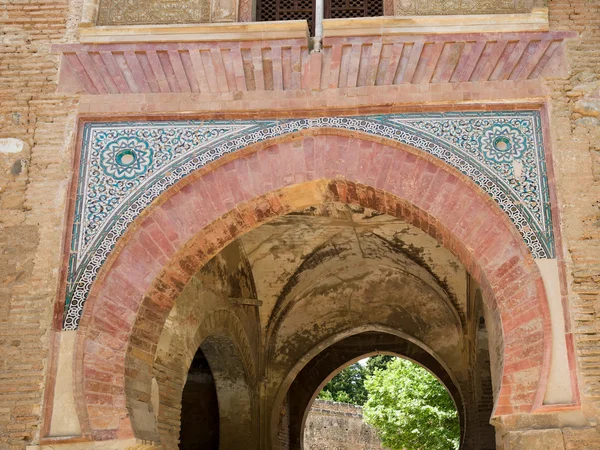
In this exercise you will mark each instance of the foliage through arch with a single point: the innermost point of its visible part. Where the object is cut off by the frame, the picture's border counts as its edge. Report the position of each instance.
(408, 406)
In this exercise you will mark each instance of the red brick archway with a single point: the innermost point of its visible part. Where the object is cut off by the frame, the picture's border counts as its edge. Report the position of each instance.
(186, 226)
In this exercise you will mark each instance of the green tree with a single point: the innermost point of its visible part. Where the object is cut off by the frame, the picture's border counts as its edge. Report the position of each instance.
(348, 386)
(410, 408)
(378, 362)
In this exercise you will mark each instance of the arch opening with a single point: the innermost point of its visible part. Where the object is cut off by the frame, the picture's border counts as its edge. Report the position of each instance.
(490, 250)
(199, 407)
(212, 385)
(316, 375)
(302, 269)
(391, 397)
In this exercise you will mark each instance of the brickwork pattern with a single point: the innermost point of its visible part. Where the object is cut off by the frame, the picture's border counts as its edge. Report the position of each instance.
(32, 198)
(576, 133)
(287, 65)
(338, 426)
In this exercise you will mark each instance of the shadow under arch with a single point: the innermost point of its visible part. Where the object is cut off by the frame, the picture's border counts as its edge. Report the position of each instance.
(235, 401)
(223, 342)
(191, 222)
(344, 350)
(289, 298)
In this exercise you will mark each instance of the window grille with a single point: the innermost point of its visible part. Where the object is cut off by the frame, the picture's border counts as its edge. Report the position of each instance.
(340, 9)
(269, 10)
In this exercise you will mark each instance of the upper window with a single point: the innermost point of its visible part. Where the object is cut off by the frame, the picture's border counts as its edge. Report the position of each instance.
(339, 9)
(131, 12)
(268, 10)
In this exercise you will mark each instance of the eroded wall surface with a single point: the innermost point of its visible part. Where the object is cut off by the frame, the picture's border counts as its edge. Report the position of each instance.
(576, 134)
(338, 426)
(36, 126)
(575, 108)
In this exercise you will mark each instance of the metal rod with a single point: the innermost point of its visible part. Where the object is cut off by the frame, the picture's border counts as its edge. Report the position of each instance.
(319, 10)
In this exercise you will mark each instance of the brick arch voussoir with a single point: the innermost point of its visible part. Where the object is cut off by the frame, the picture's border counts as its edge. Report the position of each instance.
(193, 221)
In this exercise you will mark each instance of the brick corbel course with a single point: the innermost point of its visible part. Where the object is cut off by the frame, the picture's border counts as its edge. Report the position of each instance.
(287, 65)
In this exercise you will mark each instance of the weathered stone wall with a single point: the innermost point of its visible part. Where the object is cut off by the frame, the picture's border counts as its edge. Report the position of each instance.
(33, 183)
(576, 136)
(338, 426)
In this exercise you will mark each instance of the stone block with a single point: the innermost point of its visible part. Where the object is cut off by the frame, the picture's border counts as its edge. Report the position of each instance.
(581, 438)
(535, 440)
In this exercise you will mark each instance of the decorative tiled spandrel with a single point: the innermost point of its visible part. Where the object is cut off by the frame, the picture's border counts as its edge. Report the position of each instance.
(125, 166)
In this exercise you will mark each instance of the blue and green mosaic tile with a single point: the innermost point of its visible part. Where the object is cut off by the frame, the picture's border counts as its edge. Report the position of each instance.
(125, 166)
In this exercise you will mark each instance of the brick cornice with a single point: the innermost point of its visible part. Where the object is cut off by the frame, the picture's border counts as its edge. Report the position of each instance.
(287, 65)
